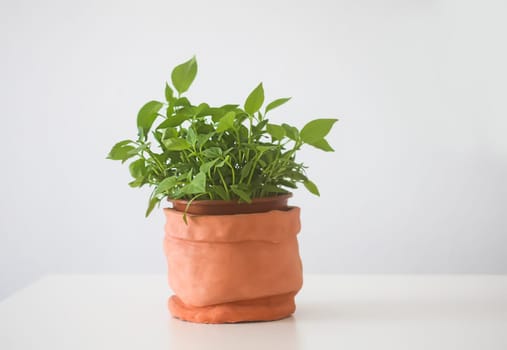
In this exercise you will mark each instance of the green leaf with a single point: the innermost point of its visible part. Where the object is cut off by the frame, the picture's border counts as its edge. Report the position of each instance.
(276, 103)
(176, 144)
(169, 133)
(221, 192)
(158, 136)
(255, 100)
(169, 93)
(136, 183)
(182, 102)
(147, 115)
(137, 168)
(184, 74)
(222, 163)
(122, 151)
(151, 205)
(294, 175)
(310, 186)
(202, 110)
(323, 145)
(264, 148)
(166, 184)
(229, 107)
(205, 167)
(218, 113)
(197, 185)
(241, 194)
(122, 143)
(226, 122)
(191, 136)
(316, 130)
(173, 121)
(277, 132)
(288, 183)
(257, 129)
(246, 169)
(212, 152)
(203, 138)
(273, 189)
(291, 131)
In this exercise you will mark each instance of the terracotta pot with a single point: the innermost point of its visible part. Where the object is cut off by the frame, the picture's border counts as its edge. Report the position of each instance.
(233, 267)
(220, 207)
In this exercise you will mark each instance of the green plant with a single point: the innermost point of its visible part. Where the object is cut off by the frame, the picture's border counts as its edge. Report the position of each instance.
(227, 152)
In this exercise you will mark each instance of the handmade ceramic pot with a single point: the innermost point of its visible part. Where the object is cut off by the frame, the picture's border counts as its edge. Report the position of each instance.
(233, 267)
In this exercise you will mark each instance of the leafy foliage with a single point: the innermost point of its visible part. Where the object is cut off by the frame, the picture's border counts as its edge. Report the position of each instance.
(227, 152)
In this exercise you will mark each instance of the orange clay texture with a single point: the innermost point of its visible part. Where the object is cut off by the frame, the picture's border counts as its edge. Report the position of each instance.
(233, 268)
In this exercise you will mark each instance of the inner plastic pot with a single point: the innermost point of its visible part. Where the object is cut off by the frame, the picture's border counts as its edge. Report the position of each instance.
(221, 207)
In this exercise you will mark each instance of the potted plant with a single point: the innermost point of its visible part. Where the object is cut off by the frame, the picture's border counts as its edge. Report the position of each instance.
(230, 240)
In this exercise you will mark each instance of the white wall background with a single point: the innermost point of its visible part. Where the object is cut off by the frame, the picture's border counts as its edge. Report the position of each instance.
(417, 183)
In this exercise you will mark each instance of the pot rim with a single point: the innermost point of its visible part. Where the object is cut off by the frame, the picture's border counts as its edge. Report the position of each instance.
(213, 202)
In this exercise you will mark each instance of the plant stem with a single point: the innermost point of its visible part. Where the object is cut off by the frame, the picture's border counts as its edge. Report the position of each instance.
(253, 168)
(160, 165)
(224, 183)
(232, 171)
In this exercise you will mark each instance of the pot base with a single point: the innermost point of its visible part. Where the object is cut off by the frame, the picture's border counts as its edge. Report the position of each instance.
(269, 308)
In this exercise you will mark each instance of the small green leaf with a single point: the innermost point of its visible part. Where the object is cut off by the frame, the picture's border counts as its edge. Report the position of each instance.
(169, 133)
(294, 175)
(229, 107)
(137, 168)
(264, 148)
(221, 192)
(136, 183)
(205, 167)
(323, 145)
(203, 138)
(202, 110)
(190, 174)
(122, 151)
(147, 115)
(310, 186)
(222, 163)
(276, 103)
(170, 109)
(255, 100)
(176, 144)
(316, 130)
(182, 102)
(197, 185)
(166, 184)
(184, 74)
(151, 205)
(157, 135)
(258, 129)
(191, 136)
(245, 170)
(291, 131)
(241, 194)
(218, 113)
(212, 152)
(226, 122)
(273, 189)
(169, 93)
(173, 120)
(277, 132)
(288, 183)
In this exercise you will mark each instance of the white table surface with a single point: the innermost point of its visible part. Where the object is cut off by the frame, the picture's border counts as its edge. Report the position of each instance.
(334, 312)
